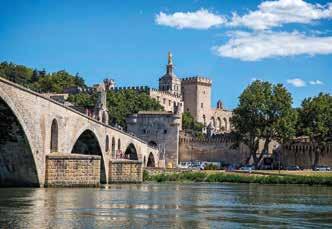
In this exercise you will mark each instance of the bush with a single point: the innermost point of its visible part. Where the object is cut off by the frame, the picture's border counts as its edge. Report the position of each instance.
(240, 178)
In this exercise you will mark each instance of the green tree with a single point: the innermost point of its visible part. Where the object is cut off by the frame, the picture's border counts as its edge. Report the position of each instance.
(315, 121)
(83, 99)
(189, 123)
(120, 104)
(126, 102)
(264, 113)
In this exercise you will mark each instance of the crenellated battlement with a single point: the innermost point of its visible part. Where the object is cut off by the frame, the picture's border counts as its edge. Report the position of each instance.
(196, 79)
(218, 139)
(136, 88)
(165, 93)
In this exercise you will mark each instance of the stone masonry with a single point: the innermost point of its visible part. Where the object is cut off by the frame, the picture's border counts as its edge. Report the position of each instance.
(50, 126)
(72, 170)
(125, 171)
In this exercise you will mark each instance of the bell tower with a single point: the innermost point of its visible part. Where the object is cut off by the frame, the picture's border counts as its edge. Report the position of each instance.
(169, 82)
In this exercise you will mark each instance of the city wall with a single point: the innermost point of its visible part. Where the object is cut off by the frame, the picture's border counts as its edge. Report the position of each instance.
(215, 149)
(303, 154)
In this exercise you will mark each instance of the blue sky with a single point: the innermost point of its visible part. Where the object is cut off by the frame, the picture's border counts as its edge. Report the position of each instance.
(231, 42)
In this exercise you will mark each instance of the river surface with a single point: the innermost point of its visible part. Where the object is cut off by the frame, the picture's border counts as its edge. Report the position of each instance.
(154, 205)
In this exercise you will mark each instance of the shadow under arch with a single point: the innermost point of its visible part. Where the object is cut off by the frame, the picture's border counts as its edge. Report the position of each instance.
(131, 152)
(151, 161)
(88, 144)
(17, 162)
(153, 144)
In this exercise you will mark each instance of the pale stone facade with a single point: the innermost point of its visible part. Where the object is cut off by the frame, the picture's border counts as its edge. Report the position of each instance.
(170, 102)
(160, 129)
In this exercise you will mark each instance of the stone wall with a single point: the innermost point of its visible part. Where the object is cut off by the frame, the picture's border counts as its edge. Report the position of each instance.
(72, 170)
(160, 129)
(125, 171)
(303, 154)
(211, 149)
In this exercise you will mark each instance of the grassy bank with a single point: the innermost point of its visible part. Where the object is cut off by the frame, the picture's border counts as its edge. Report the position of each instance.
(239, 178)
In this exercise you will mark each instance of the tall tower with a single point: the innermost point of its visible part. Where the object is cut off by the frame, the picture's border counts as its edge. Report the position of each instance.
(169, 82)
(196, 92)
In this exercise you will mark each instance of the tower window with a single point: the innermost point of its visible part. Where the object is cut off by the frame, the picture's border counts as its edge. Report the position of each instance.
(164, 101)
(169, 102)
(201, 105)
(165, 131)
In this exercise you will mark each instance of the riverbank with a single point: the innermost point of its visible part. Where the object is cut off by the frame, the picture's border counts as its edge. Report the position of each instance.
(234, 177)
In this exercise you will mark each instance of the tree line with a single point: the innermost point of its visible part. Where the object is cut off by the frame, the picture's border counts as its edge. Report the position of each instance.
(265, 113)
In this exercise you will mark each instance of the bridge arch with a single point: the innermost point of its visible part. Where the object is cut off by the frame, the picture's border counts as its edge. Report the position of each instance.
(54, 136)
(151, 161)
(87, 143)
(131, 152)
(18, 162)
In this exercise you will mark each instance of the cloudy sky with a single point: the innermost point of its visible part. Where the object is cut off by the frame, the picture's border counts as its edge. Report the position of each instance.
(231, 42)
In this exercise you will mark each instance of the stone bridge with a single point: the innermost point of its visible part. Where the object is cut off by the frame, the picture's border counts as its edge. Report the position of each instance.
(33, 126)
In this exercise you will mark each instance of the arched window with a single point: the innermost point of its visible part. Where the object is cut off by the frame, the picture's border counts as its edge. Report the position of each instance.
(204, 120)
(225, 124)
(107, 144)
(213, 120)
(218, 123)
(113, 147)
(119, 144)
(54, 136)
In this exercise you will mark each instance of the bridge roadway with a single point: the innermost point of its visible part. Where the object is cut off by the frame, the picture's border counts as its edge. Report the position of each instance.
(50, 126)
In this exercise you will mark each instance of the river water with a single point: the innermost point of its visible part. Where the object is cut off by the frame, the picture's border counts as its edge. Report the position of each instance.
(152, 205)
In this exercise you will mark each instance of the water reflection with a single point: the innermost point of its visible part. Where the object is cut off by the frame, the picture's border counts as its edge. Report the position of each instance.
(167, 206)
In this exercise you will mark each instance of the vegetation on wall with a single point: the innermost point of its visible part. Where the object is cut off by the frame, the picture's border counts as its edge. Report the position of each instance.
(189, 123)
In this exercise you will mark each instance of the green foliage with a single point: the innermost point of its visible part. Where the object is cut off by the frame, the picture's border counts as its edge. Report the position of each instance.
(264, 112)
(16, 73)
(210, 166)
(189, 123)
(240, 178)
(120, 104)
(39, 80)
(315, 121)
(123, 103)
(56, 82)
(83, 99)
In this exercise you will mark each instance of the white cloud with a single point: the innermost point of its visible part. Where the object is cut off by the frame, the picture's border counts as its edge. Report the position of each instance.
(256, 46)
(296, 82)
(316, 82)
(201, 19)
(275, 13)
